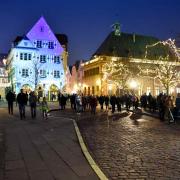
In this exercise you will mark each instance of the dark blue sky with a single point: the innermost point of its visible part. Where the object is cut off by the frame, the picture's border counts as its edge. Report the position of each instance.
(87, 23)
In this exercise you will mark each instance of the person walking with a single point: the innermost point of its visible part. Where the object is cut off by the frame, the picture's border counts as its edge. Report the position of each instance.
(101, 101)
(93, 104)
(44, 108)
(22, 101)
(113, 102)
(107, 102)
(33, 102)
(10, 97)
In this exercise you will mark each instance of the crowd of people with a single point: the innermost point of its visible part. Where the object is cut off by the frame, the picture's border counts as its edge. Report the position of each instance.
(167, 106)
(22, 100)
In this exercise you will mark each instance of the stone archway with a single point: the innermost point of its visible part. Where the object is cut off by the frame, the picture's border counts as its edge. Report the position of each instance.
(53, 92)
(26, 88)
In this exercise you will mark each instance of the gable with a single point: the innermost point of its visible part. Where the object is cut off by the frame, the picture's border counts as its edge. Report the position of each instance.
(25, 44)
(42, 31)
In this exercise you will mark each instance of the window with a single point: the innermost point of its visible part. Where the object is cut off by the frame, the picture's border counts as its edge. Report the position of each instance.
(29, 56)
(93, 90)
(21, 56)
(56, 74)
(57, 59)
(39, 44)
(157, 91)
(88, 90)
(25, 72)
(42, 73)
(177, 90)
(41, 28)
(25, 56)
(91, 72)
(85, 90)
(42, 58)
(97, 88)
(51, 45)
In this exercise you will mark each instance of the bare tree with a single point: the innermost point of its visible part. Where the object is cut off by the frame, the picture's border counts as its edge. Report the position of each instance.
(168, 75)
(118, 73)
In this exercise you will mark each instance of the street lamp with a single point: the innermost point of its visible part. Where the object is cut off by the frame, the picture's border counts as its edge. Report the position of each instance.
(133, 84)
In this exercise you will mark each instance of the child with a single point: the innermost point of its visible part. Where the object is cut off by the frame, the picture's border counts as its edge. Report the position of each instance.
(44, 107)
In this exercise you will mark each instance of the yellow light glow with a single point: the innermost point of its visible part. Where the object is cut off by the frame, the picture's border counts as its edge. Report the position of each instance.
(110, 87)
(98, 81)
(133, 84)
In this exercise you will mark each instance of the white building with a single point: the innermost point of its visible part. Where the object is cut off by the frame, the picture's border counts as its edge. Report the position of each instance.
(4, 83)
(35, 61)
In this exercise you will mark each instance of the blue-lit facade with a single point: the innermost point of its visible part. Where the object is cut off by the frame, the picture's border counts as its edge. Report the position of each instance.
(35, 62)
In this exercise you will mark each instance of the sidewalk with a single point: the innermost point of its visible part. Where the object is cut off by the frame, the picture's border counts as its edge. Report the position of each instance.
(43, 150)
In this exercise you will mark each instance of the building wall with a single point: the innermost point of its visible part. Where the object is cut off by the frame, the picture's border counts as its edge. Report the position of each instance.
(44, 65)
(92, 80)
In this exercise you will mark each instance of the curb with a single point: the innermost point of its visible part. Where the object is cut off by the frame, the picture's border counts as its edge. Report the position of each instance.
(92, 163)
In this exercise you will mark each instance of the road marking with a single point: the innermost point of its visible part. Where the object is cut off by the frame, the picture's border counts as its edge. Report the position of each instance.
(91, 161)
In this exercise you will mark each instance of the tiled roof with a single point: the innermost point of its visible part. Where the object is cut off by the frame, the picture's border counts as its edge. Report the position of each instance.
(132, 45)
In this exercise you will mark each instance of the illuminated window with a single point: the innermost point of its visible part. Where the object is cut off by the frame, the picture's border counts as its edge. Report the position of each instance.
(25, 72)
(92, 89)
(177, 90)
(85, 90)
(157, 91)
(88, 90)
(56, 74)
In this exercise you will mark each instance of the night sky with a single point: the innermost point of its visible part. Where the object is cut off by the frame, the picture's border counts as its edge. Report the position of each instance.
(87, 23)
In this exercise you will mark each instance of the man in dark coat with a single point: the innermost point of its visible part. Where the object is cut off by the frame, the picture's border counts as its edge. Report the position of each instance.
(10, 97)
(22, 101)
(33, 102)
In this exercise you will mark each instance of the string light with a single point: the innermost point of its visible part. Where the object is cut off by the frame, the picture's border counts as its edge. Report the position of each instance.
(116, 72)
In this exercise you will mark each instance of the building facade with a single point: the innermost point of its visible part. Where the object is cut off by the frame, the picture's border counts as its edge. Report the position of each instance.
(35, 61)
(4, 82)
(75, 78)
(129, 49)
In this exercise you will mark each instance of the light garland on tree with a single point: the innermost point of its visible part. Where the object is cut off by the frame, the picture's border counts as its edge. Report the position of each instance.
(116, 72)
(170, 43)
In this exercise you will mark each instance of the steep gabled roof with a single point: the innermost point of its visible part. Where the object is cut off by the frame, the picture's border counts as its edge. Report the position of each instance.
(132, 45)
(62, 39)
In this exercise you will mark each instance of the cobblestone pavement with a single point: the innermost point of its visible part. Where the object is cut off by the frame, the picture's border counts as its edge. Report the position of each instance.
(129, 146)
